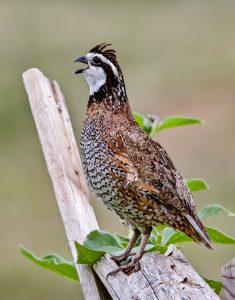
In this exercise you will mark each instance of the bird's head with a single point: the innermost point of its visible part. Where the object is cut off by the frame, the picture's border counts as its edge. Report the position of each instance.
(102, 72)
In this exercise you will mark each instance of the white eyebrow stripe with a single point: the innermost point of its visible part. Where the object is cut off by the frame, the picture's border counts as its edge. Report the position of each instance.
(91, 55)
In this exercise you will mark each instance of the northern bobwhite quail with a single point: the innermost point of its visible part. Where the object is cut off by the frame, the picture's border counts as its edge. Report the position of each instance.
(130, 172)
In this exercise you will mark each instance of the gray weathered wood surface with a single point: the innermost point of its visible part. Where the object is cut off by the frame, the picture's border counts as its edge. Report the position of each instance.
(64, 166)
(162, 277)
(228, 280)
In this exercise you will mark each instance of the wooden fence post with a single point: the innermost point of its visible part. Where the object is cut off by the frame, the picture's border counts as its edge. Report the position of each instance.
(64, 166)
(162, 277)
(228, 279)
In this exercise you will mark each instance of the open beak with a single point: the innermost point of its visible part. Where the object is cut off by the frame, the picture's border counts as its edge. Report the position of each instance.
(83, 60)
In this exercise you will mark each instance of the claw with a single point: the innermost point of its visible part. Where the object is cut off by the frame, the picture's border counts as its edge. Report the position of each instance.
(128, 269)
(134, 265)
(119, 258)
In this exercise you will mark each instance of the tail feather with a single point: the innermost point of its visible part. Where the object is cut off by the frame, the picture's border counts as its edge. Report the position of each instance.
(200, 232)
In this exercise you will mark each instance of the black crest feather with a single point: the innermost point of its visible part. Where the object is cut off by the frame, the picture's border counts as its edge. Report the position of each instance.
(110, 54)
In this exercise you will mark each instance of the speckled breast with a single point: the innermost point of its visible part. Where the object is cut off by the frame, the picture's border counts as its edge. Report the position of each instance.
(97, 164)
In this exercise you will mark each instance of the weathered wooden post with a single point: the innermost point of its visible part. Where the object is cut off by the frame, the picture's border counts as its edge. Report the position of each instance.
(162, 277)
(228, 279)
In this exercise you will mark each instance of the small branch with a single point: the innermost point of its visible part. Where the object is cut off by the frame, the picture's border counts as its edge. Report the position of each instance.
(162, 277)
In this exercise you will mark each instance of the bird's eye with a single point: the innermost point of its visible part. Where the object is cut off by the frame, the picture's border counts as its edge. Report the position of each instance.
(96, 60)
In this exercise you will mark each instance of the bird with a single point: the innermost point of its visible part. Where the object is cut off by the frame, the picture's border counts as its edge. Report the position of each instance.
(129, 171)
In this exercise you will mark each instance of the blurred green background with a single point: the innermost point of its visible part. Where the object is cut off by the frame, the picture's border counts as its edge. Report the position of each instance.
(178, 57)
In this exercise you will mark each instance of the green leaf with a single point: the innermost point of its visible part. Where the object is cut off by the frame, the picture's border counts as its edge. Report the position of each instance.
(159, 228)
(151, 125)
(178, 237)
(53, 263)
(86, 255)
(139, 119)
(214, 284)
(155, 237)
(147, 248)
(154, 128)
(219, 237)
(147, 123)
(174, 121)
(169, 236)
(151, 129)
(166, 234)
(103, 241)
(158, 247)
(214, 209)
(197, 184)
(122, 240)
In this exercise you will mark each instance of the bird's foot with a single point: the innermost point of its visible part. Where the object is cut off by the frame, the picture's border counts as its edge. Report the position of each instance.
(128, 269)
(119, 258)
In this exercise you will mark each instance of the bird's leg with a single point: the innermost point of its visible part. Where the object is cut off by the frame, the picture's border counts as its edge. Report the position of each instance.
(134, 265)
(127, 252)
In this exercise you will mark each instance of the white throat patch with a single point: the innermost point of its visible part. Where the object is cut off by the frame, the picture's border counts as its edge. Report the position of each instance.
(96, 77)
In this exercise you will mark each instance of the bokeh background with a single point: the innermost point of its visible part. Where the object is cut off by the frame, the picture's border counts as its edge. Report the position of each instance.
(178, 57)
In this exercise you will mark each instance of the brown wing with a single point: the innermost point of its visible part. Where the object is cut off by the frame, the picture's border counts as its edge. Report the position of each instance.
(149, 168)
(148, 173)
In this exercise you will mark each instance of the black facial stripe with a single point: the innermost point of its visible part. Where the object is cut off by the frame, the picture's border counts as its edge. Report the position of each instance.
(111, 78)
